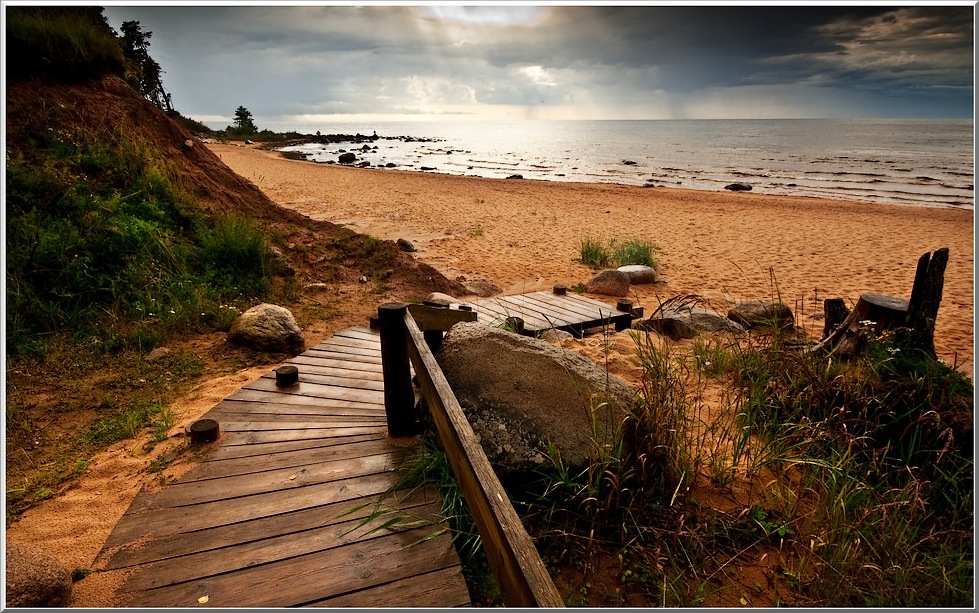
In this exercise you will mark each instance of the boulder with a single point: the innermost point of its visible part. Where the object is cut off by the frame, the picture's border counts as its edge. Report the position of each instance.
(441, 298)
(738, 187)
(347, 158)
(609, 283)
(756, 313)
(675, 329)
(515, 176)
(639, 273)
(35, 578)
(268, 327)
(686, 318)
(406, 245)
(521, 393)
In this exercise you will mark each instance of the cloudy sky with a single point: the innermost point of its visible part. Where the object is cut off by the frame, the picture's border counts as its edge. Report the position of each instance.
(310, 63)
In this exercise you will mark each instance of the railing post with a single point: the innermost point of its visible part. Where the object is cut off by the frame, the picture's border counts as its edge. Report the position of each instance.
(399, 396)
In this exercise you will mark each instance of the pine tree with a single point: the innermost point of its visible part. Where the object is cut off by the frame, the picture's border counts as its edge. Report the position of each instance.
(243, 121)
(145, 74)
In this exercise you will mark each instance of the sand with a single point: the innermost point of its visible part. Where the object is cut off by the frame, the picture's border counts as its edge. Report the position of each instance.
(524, 235)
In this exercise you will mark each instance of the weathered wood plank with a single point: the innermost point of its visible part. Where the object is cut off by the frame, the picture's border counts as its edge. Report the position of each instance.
(232, 449)
(295, 460)
(318, 360)
(430, 318)
(273, 436)
(504, 307)
(368, 374)
(204, 564)
(160, 522)
(223, 488)
(516, 564)
(446, 586)
(348, 340)
(315, 390)
(244, 407)
(349, 345)
(337, 352)
(313, 577)
(556, 313)
(259, 423)
(276, 397)
(569, 305)
(222, 537)
(305, 376)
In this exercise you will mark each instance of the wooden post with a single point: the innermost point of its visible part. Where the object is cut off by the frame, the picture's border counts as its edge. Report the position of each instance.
(834, 314)
(926, 296)
(434, 337)
(399, 396)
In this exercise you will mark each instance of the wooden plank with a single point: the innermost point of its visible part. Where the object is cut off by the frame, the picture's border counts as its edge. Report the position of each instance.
(315, 390)
(558, 315)
(335, 381)
(244, 407)
(431, 318)
(358, 332)
(446, 586)
(296, 459)
(273, 436)
(221, 537)
(256, 424)
(333, 346)
(516, 564)
(341, 338)
(204, 564)
(338, 353)
(372, 374)
(366, 347)
(317, 360)
(218, 489)
(234, 451)
(550, 317)
(310, 578)
(276, 397)
(160, 522)
(509, 307)
(572, 307)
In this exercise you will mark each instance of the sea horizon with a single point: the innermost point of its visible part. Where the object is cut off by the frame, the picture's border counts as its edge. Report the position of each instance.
(918, 161)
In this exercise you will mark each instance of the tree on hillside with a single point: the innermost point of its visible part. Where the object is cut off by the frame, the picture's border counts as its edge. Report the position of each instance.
(145, 74)
(243, 122)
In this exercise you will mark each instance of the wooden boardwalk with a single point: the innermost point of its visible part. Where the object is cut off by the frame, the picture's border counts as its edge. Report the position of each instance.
(544, 310)
(272, 516)
(283, 508)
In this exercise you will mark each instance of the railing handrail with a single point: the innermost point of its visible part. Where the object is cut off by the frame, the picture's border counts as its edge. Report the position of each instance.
(513, 558)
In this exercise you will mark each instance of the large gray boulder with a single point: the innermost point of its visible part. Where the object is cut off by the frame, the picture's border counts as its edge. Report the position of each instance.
(685, 320)
(639, 273)
(609, 283)
(35, 578)
(268, 327)
(521, 393)
(760, 313)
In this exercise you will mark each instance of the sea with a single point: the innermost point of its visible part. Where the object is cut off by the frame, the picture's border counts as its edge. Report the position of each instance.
(919, 162)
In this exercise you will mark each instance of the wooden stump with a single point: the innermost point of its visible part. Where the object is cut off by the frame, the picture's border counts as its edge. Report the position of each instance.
(912, 321)
(874, 313)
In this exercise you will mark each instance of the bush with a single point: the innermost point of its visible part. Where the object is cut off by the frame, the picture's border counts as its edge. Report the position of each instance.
(595, 253)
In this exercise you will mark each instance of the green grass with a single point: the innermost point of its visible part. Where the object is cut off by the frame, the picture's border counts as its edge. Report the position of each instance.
(857, 476)
(613, 253)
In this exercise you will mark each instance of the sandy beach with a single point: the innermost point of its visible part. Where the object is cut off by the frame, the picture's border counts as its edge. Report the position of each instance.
(524, 235)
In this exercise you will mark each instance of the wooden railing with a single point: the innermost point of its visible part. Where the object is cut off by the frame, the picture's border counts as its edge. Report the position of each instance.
(408, 333)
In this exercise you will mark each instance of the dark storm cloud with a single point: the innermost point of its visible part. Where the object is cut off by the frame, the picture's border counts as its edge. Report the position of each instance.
(616, 61)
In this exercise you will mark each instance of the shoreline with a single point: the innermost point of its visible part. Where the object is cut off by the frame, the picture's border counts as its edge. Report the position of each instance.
(524, 235)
